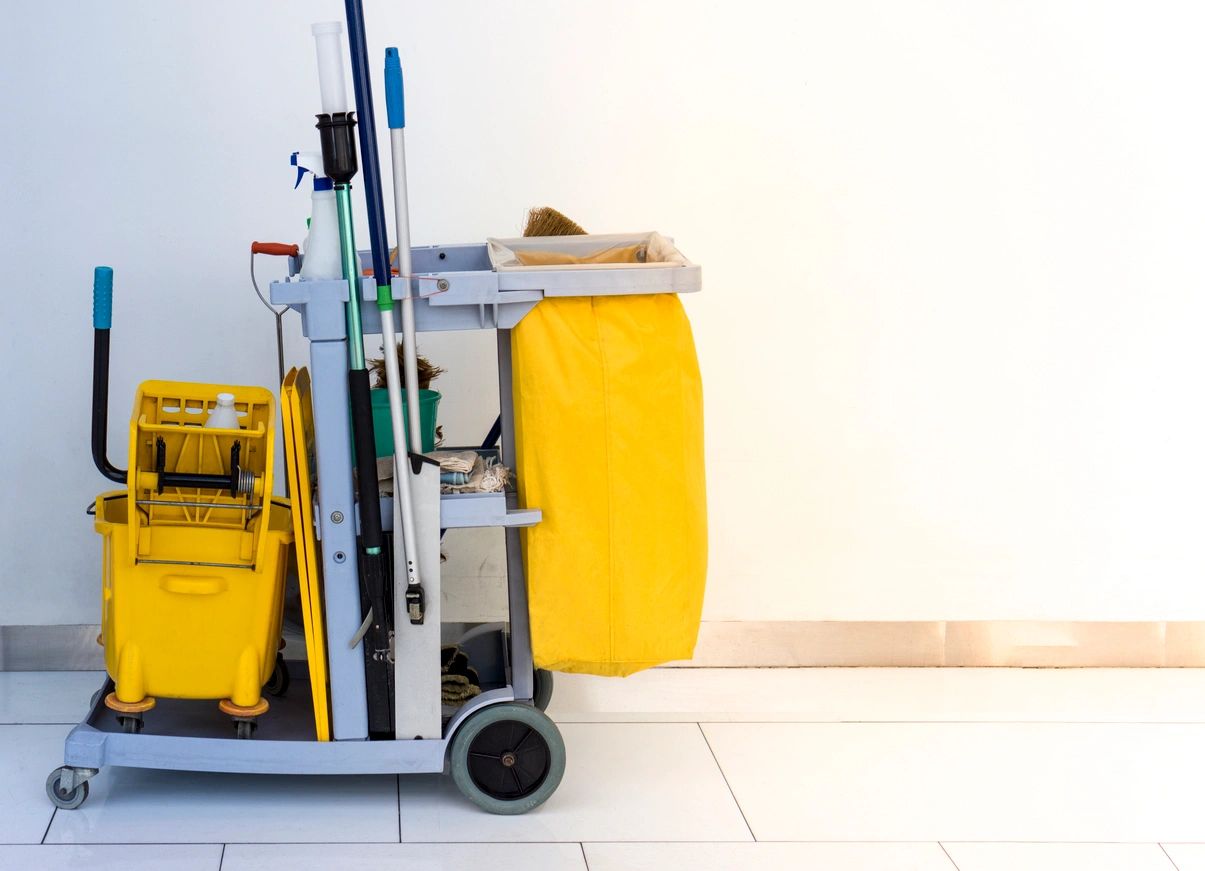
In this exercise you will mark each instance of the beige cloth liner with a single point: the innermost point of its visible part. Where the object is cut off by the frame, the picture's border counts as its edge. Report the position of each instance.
(655, 248)
(620, 254)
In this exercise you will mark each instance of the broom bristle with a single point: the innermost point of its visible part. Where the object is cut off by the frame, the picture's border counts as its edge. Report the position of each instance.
(547, 221)
(427, 371)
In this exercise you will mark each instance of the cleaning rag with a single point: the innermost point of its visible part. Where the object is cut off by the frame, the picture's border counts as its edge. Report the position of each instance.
(470, 472)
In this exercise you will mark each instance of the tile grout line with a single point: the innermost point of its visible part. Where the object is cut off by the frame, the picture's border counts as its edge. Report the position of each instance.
(720, 768)
(670, 717)
(623, 842)
(879, 841)
(801, 722)
(1091, 842)
(49, 823)
(222, 858)
(948, 856)
(1169, 856)
(687, 718)
(585, 861)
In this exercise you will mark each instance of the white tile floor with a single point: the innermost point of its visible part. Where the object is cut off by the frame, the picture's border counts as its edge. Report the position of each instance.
(676, 769)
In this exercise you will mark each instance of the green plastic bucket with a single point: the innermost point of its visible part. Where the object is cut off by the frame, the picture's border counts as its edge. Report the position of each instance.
(382, 425)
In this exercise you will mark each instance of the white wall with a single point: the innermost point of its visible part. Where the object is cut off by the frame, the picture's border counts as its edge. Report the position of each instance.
(952, 259)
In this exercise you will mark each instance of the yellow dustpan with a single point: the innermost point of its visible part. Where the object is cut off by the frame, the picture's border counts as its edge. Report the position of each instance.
(298, 415)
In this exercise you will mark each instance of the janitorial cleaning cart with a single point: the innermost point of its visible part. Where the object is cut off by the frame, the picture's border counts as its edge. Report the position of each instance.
(594, 470)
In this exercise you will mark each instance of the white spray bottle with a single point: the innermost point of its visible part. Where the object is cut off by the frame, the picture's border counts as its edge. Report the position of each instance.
(322, 259)
(223, 415)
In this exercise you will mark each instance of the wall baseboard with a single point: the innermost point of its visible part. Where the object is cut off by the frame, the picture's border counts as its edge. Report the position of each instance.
(736, 644)
(51, 648)
(955, 643)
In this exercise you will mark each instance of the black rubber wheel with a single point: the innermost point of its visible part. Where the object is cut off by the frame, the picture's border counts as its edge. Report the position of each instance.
(244, 729)
(68, 800)
(542, 693)
(130, 725)
(278, 683)
(508, 758)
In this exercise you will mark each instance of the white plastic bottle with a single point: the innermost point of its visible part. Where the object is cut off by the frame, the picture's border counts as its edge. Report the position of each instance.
(322, 259)
(223, 415)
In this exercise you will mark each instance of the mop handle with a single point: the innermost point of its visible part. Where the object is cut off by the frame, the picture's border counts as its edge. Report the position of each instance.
(370, 167)
(102, 321)
(395, 104)
(395, 99)
(102, 298)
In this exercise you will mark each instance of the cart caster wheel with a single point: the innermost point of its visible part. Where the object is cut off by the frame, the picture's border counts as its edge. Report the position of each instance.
(542, 693)
(278, 683)
(508, 758)
(244, 729)
(66, 799)
(131, 725)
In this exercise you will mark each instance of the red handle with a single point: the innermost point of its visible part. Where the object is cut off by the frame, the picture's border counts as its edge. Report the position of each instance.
(279, 249)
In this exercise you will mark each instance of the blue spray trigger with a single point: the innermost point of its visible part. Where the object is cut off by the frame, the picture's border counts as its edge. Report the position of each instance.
(301, 170)
(309, 161)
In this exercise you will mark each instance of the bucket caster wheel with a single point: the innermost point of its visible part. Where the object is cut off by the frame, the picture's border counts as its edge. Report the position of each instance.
(542, 690)
(278, 683)
(65, 789)
(131, 724)
(508, 758)
(243, 717)
(129, 714)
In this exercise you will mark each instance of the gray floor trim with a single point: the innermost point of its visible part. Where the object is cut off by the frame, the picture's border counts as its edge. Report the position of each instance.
(74, 647)
(51, 648)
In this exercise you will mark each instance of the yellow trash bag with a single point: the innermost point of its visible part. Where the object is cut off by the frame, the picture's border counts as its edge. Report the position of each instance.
(609, 438)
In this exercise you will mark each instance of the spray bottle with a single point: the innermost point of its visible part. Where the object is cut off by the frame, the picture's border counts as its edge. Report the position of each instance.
(322, 257)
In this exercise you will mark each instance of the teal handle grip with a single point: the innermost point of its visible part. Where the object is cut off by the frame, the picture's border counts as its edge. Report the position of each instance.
(395, 100)
(102, 298)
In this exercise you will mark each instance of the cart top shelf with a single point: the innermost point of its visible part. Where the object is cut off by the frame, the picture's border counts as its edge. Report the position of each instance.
(488, 286)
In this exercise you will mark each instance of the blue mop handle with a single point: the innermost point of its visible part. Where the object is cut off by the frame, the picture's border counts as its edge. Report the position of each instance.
(370, 166)
(102, 298)
(395, 99)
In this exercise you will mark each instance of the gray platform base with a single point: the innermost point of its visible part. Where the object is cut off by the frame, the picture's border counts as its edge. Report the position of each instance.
(189, 735)
(195, 736)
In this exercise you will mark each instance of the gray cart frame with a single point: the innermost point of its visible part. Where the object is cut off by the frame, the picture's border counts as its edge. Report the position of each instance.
(458, 289)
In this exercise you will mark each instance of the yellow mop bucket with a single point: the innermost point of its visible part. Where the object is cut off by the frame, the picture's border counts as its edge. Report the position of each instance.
(193, 576)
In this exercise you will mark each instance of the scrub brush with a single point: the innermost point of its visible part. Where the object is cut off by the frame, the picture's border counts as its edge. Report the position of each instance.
(547, 221)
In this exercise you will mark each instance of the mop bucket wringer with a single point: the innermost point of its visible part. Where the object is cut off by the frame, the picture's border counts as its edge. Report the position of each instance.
(195, 554)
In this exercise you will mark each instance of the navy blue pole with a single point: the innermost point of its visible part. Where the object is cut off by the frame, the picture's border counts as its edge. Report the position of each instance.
(379, 673)
(370, 164)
